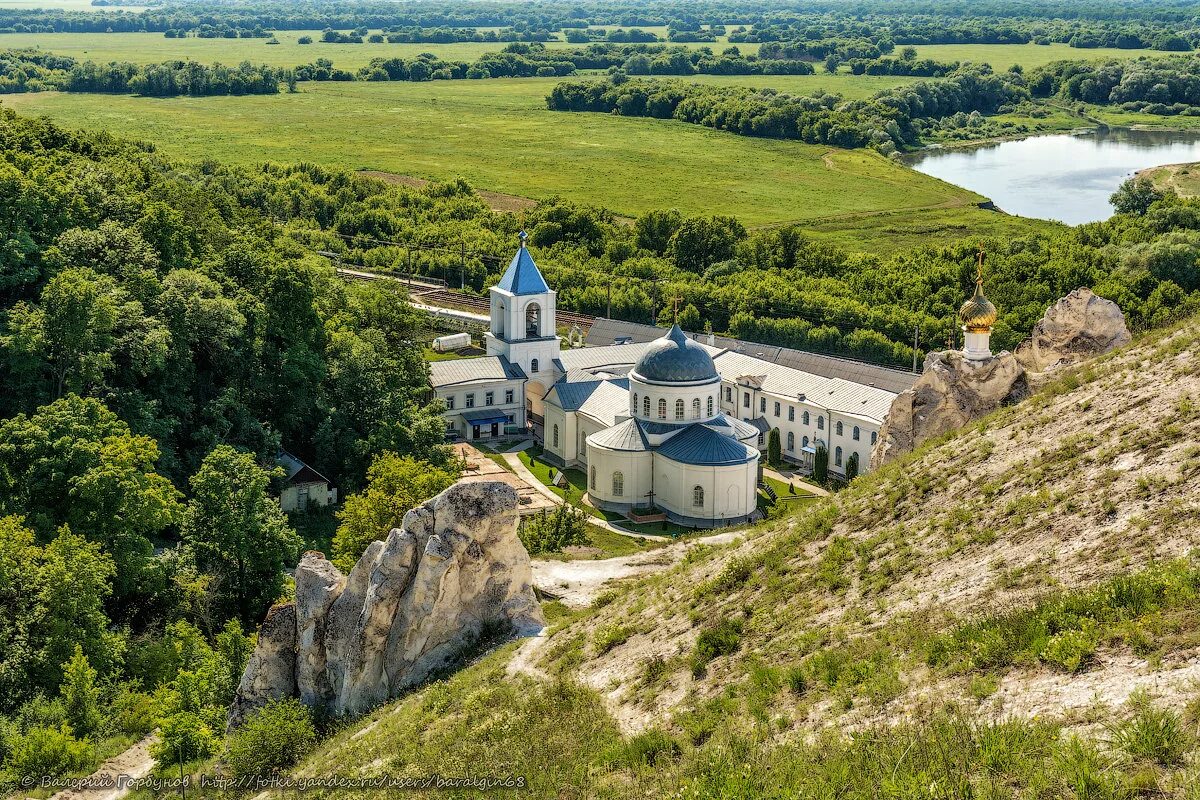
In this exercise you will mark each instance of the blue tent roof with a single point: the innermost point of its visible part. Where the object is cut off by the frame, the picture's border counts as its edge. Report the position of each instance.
(703, 446)
(522, 275)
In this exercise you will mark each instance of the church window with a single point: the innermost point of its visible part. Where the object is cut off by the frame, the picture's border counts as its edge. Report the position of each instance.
(837, 456)
(791, 441)
(855, 433)
(728, 394)
(489, 398)
(804, 442)
(634, 404)
(804, 419)
(745, 399)
(592, 482)
(777, 409)
(470, 400)
(698, 496)
(760, 438)
(662, 408)
(696, 408)
(450, 402)
(679, 409)
(710, 405)
(791, 413)
(618, 484)
(533, 366)
(556, 436)
(508, 395)
(820, 423)
(762, 405)
(839, 429)
(533, 321)
(646, 406)
(874, 436)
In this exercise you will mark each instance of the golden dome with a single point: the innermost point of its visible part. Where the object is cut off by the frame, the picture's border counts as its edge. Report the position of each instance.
(978, 315)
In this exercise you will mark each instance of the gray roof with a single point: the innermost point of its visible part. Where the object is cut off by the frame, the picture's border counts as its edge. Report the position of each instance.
(608, 403)
(761, 424)
(674, 358)
(626, 437)
(702, 446)
(573, 394)
(466, 371)
(740, 430)
(607, 331)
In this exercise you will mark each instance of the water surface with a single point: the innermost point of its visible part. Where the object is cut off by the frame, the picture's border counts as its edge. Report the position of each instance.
(1065, 177)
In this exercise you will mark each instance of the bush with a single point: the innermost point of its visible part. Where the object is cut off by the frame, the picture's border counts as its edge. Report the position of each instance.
(47, 752)
(651, 746)
(182, 737)
(610, 636)
(1071, 650)
(719, 640)
(551, 532)
(275, 737)
(1153, 734)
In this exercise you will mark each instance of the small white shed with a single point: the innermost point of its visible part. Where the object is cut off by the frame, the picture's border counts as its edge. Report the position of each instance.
(452, 341)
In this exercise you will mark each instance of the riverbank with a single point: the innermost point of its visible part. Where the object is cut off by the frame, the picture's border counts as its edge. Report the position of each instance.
(1183, 179)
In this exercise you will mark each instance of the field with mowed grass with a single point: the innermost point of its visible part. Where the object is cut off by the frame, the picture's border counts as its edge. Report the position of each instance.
(498, 135)
(1029, 56)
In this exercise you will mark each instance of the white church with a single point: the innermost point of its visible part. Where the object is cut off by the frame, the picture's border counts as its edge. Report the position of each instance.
(673, 423)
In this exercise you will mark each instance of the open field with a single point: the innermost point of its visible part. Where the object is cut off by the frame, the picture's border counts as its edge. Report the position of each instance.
(1183, 179)
(498, 135)
(1003, 56)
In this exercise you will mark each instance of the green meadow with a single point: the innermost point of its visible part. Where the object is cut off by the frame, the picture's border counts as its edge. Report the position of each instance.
(1029, 56)
(498, 135)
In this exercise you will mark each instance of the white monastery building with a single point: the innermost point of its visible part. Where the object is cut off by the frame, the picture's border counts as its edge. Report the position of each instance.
(673, 423)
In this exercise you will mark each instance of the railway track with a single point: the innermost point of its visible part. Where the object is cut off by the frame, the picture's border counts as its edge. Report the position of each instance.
(431, 294)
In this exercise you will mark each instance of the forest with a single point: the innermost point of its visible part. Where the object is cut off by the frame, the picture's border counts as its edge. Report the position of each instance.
(37, 71)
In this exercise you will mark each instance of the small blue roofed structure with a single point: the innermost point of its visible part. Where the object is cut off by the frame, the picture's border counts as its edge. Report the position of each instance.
(522, 275)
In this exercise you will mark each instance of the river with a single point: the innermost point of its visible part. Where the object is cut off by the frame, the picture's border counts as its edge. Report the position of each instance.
(1064, 177)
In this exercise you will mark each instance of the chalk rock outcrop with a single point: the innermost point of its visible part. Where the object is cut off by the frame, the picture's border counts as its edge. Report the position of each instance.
(410, 607)
(953, 391)
(950, 393)
(1077, 327)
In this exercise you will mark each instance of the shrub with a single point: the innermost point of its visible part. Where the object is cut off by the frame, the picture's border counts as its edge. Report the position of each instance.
(550, 532)
(1071, 650)
(182, 737)
(47, 752)
(610, 636)
(796, 680)
(719, 640)
(275, 737)
(649, 747)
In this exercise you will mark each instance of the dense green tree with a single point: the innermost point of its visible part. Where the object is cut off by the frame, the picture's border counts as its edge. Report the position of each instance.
(820, 471)
(81, 695)
(1135, 196)
(654, 229)
(852, 467)
(238, 533)
(396, 484)
(700, 242)
(774, 449)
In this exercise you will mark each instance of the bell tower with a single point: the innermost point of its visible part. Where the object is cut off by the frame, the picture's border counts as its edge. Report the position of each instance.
(523, 325)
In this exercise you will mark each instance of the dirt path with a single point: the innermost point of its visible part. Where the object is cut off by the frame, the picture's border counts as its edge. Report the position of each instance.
(136, 762)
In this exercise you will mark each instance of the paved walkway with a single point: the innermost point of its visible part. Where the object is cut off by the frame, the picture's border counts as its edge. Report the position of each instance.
(514, 461)
(788, 476)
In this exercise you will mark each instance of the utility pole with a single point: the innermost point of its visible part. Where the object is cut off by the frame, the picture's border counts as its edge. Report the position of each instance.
(608, 304)
(462, 262)
(916, 336)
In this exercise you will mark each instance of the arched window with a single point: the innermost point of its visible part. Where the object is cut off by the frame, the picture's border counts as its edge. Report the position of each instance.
(696, 408)
(698, 496)
(804, 442)
(592, 480)
(837, 456)
(710, 405)
(646, 406)
(556, 435)
(533, 366)
(805, 418)
(619, 484)
(874, 436)
(633, 406)
(820, 423)
(662, 408)
(791, 441)
(533, 321)
(839, 428)
(679, 409)
(855, 433)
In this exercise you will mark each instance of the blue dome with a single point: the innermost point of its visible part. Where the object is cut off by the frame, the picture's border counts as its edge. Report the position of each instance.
(675, 359)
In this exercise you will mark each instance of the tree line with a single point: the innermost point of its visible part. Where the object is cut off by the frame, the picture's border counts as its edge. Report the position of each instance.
(36, 71)
(1164, 86)
(887, 122)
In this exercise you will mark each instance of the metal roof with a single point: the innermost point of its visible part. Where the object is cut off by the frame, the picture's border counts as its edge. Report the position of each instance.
(740, 430)
(608, 403)
(484, 416)
(608, 331)
(674, 358)
(522, 275)
(702, 446)
(570, 395)
(626, 437)
(466, 371)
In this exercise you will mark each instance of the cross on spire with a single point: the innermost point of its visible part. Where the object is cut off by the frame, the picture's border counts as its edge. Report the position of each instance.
(522, 236)
(675, 302)
(979, 266)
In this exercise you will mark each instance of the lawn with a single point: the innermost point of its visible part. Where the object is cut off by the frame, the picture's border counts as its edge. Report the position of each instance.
(498, 135)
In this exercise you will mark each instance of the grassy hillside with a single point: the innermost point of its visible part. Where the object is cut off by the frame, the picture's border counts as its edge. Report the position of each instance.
(1029, 56)
(499, 135)
(1011, 612)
